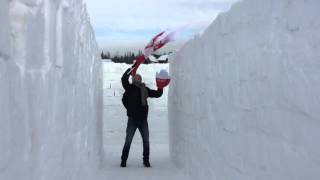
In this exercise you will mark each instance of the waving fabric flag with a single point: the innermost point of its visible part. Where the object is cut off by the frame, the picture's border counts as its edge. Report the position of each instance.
(158, 42)
(155, 44)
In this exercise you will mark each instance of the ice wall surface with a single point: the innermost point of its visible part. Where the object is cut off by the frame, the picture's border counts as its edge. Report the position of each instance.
(51, 91)
(245, 96)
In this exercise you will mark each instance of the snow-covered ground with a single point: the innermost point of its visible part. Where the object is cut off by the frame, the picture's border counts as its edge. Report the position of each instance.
(50, 91)
(245, 96)
(114, 127)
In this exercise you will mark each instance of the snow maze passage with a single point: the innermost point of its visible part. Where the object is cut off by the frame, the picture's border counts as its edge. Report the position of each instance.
(243, 102)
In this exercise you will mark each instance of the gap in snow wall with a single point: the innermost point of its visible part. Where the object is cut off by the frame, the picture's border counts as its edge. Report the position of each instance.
(245, 96)
(51, 91)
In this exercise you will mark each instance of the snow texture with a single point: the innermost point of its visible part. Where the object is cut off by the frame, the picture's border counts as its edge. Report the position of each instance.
(4, 33)
(51, 91)
(244, 99)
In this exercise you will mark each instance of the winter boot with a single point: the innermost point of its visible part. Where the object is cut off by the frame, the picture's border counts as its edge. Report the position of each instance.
(123, 164)
(146, 163)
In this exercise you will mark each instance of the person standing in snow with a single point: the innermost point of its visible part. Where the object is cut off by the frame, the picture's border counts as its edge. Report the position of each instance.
(135, 101)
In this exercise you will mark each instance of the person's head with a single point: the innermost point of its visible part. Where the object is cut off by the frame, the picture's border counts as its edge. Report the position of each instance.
(137, 78)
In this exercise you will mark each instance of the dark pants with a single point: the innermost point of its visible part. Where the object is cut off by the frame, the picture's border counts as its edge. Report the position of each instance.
(132, 126)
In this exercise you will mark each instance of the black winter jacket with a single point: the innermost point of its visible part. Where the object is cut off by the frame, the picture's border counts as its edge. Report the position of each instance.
(134, 107)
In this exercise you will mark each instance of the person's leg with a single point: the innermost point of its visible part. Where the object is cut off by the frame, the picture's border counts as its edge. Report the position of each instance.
(131, 129)
(144, 131)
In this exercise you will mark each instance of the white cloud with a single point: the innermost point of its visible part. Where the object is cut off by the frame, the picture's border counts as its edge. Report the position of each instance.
(148, 15)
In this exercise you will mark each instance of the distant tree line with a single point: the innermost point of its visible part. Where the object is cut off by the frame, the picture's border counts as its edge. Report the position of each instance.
(105, 56)
(129, 57)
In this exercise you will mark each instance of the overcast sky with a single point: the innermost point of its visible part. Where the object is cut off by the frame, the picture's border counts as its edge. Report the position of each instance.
(127, 22)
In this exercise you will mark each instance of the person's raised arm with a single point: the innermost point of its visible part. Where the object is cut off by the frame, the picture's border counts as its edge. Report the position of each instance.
(154, 93)
(125, 79)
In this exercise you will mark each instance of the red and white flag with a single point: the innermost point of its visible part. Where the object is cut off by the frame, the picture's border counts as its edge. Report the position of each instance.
(158, 42)
(155, 44)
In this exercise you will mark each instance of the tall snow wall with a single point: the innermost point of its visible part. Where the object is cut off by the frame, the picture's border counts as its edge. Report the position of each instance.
(245, 96)
(51, 91)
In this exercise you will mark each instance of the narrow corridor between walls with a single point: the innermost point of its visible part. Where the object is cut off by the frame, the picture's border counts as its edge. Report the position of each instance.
(114, 129)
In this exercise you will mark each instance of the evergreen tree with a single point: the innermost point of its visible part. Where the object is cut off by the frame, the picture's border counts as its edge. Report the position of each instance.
(102, 55)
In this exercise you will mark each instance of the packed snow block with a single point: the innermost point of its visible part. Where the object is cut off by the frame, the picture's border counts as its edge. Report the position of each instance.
(244, 99)
(4, 56)
(4, 30)
(51, 114)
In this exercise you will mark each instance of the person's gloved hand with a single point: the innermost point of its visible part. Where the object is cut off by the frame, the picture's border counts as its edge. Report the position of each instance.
(136, 65)
(162, 79)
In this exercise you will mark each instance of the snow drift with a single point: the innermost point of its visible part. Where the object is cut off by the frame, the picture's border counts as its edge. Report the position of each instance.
(51, 91)
(245, 96)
